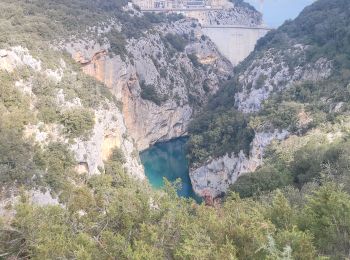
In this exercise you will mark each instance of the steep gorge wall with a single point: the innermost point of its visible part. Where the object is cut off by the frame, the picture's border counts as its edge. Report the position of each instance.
(261, 76)
(182, 79)
(184, 84)
(109, 130)
(214, 178)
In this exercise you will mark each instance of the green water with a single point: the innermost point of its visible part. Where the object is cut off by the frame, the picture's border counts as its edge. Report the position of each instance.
(168, 159)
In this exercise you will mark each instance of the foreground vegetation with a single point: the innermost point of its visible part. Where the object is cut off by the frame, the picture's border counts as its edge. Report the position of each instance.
(110, 215)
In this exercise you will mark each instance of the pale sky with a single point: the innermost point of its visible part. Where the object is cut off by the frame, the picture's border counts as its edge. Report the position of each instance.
(277, 11)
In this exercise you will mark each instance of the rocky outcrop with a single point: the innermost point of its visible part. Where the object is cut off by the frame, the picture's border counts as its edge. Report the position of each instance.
(231, 15)
(109, 130)
(214, 178)
(264, 73)
(182, 80)
(9, 197)
(17, 56)
(273, 71)
(109, 133)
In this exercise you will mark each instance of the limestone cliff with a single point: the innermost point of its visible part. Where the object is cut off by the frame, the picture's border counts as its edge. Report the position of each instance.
(182, 79)
(214, 177)
(262, 74)
(271, 71)
(108, 132)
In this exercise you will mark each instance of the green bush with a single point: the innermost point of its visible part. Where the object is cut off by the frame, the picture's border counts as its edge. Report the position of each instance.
(312, 162)
(48, 111)
(118, 156)
(265, 179)
(117, 43)
(126, 226)
(149, 92)
(77, 122)
(218, 132)
(178, 42)
(16, 165)
(57, 162)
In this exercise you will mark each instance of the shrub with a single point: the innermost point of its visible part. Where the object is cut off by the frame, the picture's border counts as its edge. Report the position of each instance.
(148, 92)
(16, 164)
(57, 161)
(117, 43)
(77, 122)
(178, 42)
(194, 59)
(312, 162)
(118, 156)
(216, 133)
(265, 179)
(48, 110)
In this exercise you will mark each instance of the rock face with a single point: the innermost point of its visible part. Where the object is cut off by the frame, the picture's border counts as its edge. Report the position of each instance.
(259, 76)
(181, 79)
(109, 133)
(109, 130)
(9, 197)
(271, 71)
(231, 15)
(214, 178)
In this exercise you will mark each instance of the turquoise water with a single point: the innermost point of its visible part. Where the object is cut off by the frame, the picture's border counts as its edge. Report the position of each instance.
(168, 159)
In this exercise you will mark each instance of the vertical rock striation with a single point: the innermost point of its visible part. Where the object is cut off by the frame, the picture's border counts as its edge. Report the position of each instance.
(181, 79)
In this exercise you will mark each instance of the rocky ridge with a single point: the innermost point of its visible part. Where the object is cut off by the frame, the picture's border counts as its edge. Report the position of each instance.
(271, 72)
(260, 76)
(90, 152)
(214, 178)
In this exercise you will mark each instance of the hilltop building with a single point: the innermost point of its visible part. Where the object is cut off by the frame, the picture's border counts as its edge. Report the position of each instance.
(179, 4)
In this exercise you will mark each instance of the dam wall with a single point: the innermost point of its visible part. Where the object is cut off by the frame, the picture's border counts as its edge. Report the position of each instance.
(233, 28)
(235, 42)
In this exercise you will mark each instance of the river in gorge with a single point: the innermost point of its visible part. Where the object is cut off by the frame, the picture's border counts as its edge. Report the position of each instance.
(168, 159)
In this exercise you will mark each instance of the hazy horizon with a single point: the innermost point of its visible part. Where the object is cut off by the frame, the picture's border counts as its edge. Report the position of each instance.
(277, 11)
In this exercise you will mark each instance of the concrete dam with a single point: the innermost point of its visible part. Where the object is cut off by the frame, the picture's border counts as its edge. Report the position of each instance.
(235, 42)
(231, 28)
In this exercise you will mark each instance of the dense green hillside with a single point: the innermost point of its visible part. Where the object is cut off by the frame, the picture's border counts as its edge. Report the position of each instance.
(114, 216)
